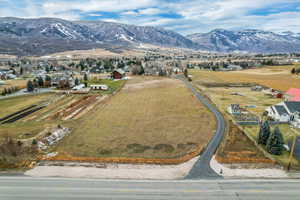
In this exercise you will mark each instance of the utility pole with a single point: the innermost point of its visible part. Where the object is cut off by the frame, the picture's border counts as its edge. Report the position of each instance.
(292, 152)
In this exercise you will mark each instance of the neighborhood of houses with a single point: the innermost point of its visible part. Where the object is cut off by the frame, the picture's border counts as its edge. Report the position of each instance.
(287, 111)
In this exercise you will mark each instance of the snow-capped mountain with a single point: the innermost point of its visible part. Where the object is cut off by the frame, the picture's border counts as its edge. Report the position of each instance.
(48, 35)
(250, 40)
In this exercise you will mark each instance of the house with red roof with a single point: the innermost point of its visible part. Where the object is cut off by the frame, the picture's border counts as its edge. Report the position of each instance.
(293, 94)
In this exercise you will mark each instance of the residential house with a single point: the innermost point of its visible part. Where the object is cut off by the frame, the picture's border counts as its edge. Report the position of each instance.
(118, 74)
(234, 67)
(287, 111)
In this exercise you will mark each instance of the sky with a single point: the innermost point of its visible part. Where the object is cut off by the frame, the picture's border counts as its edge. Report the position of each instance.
(183, 16)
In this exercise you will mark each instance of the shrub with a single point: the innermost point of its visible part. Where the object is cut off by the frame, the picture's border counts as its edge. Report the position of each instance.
(275, 142)
(137, 148)
(104, 151)
(164, 147)
(264, 133)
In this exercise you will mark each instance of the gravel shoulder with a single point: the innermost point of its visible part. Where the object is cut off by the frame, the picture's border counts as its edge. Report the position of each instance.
(246, 173)
(116, 171)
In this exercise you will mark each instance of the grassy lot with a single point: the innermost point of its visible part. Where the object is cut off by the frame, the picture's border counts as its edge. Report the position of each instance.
(237, 142)
(23, 130)
(223, 97)
(14, 104)
(20, 83)
(150, 118)
(269, 76)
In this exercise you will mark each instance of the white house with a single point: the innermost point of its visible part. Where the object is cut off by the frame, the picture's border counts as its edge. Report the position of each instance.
(78, 87)
(287, 111)
(99, 87)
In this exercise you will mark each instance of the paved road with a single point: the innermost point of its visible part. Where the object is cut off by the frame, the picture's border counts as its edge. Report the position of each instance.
(202, 168)
(26, 188)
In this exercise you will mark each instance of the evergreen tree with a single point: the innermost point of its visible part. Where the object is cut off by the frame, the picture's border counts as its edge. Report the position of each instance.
(21, 71)
(275, 142)
(185, 72)
(85, 77)
(40, 82)
(47, 69)
(30, 86)
(293, 71)
(76, 81)
(264, 133)
(141, 71)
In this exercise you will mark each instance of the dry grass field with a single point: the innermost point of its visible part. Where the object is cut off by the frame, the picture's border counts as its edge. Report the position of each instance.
(14, 104)
(237, 147)
(17, 83)
(150, 117)
(277, 77)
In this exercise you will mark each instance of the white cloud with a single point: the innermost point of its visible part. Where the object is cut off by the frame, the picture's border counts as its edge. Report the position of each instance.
(94, 15)
(95, 5)
(150, 11)
(197, 15)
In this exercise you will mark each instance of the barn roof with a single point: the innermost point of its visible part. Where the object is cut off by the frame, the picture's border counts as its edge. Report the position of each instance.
(296, 98)
(120, 71)
(294, 92)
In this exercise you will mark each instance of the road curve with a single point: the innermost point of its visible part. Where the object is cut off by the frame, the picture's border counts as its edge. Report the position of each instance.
(202, 169)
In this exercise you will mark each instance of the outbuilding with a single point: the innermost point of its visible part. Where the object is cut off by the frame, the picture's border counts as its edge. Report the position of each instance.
(99, 87)
(118, 74)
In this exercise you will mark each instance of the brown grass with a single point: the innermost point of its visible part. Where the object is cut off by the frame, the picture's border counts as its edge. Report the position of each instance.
(264, 76)
(238, 148)
(162, 121)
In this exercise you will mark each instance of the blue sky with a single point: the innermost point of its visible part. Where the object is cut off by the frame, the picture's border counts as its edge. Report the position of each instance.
(184, 16)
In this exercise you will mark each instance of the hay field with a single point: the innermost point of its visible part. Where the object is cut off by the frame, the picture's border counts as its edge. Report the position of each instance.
(148, 118)
(17, 83)
(277, 77)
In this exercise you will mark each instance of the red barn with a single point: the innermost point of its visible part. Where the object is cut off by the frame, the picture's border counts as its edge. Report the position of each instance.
(118, 74)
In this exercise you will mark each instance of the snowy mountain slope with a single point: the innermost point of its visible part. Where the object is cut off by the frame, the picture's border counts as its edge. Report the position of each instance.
(250, 40)
(21, 34)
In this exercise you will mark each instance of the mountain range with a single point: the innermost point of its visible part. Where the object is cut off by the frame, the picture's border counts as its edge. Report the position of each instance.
(50, 35)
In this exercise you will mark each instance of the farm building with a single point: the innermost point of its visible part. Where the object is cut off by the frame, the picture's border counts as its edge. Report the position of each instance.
(118, 74)
(99, 87)
(293, 94)
(287, 111)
